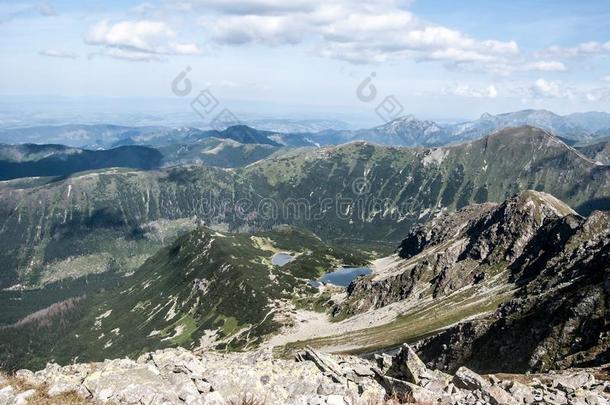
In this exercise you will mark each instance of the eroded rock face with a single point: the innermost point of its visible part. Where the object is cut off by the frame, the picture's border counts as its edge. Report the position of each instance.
(178, 376)
(558, 319)
(551, 265)
(458, 250)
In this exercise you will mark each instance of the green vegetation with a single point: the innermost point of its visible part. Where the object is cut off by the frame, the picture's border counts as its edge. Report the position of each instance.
(207, 281)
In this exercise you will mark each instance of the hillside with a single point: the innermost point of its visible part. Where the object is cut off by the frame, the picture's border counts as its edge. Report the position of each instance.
(208, 288)
(17, 161)
(598, 151)
(218, 152)
(90, 214)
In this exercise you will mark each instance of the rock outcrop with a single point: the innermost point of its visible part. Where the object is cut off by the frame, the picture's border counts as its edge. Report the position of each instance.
(551, 265)
(178, 376)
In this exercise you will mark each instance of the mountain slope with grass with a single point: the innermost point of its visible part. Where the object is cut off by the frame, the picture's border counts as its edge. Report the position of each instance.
(28, 160)
(44, 222)
(208, 288)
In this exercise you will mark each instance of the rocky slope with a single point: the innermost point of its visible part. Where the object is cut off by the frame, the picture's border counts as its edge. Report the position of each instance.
(552, 262)
(177, 376)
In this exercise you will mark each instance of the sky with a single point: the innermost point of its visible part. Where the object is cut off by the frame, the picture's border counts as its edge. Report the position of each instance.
(438, 59)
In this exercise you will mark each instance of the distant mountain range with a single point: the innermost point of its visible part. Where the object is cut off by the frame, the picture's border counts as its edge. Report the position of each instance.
(403, 131)
(409, 131)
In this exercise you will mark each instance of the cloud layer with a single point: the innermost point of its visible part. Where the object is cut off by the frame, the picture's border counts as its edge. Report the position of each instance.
(137, 40)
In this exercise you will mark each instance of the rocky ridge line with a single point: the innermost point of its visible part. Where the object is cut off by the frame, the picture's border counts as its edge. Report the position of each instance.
(178, 376)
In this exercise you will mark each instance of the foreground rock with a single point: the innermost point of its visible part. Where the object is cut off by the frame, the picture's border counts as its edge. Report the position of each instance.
(178, 376)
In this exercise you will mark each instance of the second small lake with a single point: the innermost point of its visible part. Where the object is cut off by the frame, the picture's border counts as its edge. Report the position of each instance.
(281, 259)
(342, 277)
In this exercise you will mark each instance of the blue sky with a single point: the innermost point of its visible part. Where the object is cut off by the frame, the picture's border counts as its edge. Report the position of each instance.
(441, 59)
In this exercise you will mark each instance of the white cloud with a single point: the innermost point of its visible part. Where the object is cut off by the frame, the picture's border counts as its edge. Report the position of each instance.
(596, 95)
(10, 11)
(54, 53)
(590, 48)
(137, 40)
(253, 7)
(272, 30)
(549, 89)
(464, 90)
(363, 31)
(606, 78)
(546, 66)
(128, 55)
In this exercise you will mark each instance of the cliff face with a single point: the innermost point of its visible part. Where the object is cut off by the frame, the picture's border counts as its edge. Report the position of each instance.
(553, 262)
(557, 319)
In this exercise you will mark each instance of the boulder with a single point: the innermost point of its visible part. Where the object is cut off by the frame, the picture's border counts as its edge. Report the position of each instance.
(129, 383)
(335, 400)
(495, 395)
(23, 397)
(7, 395)
(183, 386)
(571, 382)
(405, 389)
(467, 379)
(521, 392)
(27, 377)
(407, 366)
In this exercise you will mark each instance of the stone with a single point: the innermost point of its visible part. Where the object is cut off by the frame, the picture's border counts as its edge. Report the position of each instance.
(467, 379)
(183, 386)
(495, 395)
(214, 398)
(27, 377)
(406, 365)
(571, 382)
(521, 392)
(363, 371)
(23, 397)
(134, 384)
(202, 386)
(327, 387)
(61, 387)
(403, 388)
(335, 400)
(325, 363)
(383, 361)
(7, 395)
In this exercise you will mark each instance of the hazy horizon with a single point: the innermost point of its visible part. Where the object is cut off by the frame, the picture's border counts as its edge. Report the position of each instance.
(304, 59)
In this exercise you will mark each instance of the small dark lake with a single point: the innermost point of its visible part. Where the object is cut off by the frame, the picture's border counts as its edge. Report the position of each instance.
(342, 277)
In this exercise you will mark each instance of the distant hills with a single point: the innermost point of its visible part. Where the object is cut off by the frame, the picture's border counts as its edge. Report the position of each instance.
(409, 131)
(28, 160)
(402, 131)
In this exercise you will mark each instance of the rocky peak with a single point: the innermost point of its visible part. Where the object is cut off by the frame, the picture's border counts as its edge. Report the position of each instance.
(502, 233)
(531, 243)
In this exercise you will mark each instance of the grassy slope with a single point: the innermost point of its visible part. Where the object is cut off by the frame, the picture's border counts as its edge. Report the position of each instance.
(206, 280)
